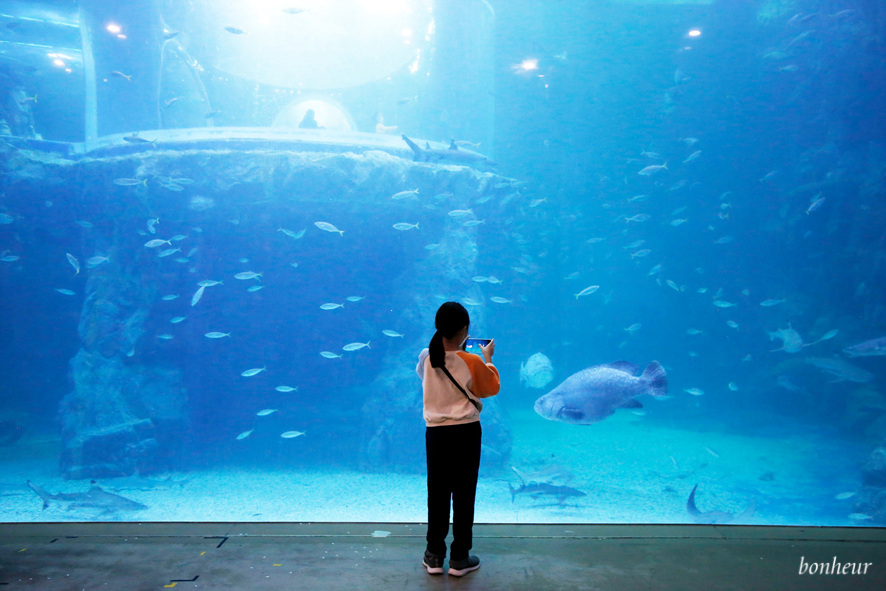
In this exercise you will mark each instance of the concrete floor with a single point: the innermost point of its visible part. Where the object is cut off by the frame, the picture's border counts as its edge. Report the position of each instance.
(292, 556)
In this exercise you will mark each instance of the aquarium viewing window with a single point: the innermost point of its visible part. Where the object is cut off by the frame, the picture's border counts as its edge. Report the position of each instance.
(226, 227)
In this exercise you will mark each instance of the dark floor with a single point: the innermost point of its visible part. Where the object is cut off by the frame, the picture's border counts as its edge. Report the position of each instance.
(247, 557)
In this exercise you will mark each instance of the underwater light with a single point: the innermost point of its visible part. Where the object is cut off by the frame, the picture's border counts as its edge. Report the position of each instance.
(114, 28)
(308, 44)
(526, 65)
(58, 63)
(694, 33)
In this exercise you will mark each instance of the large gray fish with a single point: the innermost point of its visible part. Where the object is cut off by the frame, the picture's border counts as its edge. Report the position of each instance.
(95, 498)
(451, 156)
(867, 348)
(593, 394)
(842, 370)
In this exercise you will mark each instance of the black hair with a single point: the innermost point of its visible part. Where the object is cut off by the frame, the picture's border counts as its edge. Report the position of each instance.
(451, 318)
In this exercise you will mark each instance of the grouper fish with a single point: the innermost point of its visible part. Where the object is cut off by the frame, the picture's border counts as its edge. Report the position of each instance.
(593, 394)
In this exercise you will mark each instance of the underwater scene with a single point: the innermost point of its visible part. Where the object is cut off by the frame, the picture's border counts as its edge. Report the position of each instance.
(226, 227)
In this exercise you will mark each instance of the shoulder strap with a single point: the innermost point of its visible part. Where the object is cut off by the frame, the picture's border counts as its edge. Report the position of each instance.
(457, 385)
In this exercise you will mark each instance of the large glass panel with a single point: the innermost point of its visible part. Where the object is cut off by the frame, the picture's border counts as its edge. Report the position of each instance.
(226, 226)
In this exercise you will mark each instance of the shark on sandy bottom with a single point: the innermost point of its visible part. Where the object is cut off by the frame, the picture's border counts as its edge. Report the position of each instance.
(538, 489)
(714, 517)
(453, 155)
(95, 498)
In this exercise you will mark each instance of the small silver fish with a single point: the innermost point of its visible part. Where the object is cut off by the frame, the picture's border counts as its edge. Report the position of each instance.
(124, 182)
(266, 412)
(405, 226)
(356, 346)
(587, 291)
(74, 262)
(327, 227)
(251, 372)
(286, 389)
(156, 242)
(405, 194)
(247, 275)
(330, 355)
(692, 156)
(95, 261)
(291, 434)
(65, 291)
(177, 319)
(391, 333)
(197, 295)
(355, 298)
(653, 169)
(244, 434)
(216, 335)
(254, 288)
(235, 31)
(209, 283)
(500, 300)
(168, 252)
(291, 234)
(169, 298)
(331, 306)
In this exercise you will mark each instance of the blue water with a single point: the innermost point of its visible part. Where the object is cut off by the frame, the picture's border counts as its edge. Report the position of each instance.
(768, 118)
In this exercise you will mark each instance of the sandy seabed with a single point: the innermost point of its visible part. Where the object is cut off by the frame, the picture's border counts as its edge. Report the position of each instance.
(630, 470)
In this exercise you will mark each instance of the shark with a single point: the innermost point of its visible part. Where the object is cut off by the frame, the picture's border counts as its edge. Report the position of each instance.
(453, 155)
(95, 498)
(539, 489)
(714, 517)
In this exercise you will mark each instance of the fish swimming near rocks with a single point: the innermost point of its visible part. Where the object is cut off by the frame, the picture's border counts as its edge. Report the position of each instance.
(94, 498)
(591, 395)
(713, 517)
(452, 155)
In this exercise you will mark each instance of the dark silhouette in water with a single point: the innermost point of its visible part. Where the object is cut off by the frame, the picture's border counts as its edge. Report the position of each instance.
(717, 516)
(10, 432)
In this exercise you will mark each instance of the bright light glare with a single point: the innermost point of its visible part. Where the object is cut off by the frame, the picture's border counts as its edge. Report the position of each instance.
(114, 28)
(694, 33)
(59, 63)
(526, 65)
(121, 36)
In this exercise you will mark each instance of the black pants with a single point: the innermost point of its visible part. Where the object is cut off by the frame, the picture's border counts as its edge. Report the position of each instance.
(453, 453)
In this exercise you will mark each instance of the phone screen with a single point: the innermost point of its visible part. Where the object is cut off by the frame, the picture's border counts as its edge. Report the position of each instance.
(472, 342)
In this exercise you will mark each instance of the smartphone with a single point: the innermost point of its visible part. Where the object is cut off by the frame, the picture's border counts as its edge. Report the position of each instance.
(474, 342)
